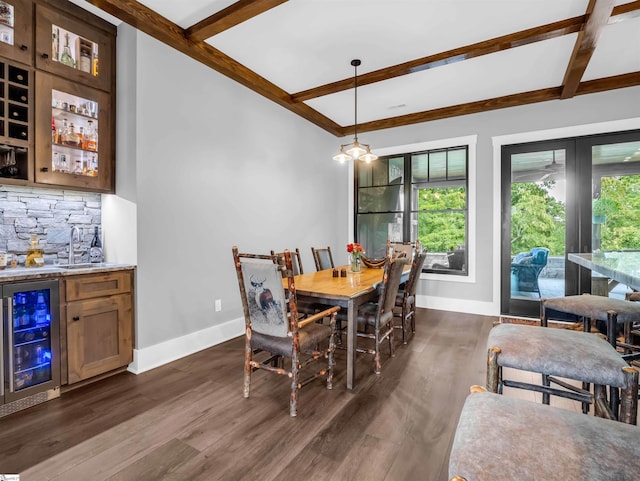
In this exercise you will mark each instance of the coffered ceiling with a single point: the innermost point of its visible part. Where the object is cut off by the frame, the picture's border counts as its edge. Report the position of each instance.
(421, 59)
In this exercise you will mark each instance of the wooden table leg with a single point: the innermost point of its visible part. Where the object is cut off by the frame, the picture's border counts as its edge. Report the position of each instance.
(352, 330)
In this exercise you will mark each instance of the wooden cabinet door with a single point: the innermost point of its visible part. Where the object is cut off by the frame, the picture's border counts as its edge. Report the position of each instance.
(15, 30)
(50, 152)
(73, 35)
(99, 336)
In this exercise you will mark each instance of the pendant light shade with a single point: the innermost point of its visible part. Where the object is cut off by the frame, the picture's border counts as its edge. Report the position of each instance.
(355, 150)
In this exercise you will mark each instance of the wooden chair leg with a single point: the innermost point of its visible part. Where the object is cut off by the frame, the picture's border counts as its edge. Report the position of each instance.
(330, 361)
(377, 366)
(248, 354)
(392, 351)
(295, 384)
(493, 370)
(629, 397)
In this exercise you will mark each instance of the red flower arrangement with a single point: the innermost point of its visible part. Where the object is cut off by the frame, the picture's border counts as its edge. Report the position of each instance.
(355, 249)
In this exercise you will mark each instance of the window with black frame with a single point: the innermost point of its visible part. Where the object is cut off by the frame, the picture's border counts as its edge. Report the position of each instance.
(432, 207)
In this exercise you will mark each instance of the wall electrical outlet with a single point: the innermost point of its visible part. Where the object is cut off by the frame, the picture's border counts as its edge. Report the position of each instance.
(218, 305)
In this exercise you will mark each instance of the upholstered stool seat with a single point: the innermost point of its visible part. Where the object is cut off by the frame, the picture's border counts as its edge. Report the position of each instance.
(599, 308)
(563, 353)
(499, 437)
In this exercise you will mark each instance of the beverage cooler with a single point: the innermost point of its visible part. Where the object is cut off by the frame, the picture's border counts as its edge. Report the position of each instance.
(30, 347)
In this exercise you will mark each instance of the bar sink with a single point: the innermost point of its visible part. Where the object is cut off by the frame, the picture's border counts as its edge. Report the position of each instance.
(82, 265)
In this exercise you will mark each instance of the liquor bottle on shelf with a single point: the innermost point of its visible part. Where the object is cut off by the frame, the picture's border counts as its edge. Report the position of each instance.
(64, 132)
(66, 58)
(55, 32)
(90, 137)
(94, 69)
(84, 60)
(93, 165)
(72, 137)
(81, 137)
(54, 132)
(64, 165)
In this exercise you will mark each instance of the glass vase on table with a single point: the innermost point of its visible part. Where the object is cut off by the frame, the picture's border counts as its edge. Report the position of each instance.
(355, 251)
(356, 262)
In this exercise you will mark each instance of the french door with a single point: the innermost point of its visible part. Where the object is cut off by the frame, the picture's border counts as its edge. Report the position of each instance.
(549, 190)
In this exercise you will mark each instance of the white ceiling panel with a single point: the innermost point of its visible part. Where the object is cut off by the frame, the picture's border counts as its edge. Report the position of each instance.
(532, 67)
(186, 12)
(308, 44)
(618, 51)
(305, 43)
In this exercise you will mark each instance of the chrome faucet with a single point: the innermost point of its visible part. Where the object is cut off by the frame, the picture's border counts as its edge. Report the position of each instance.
(72, 253)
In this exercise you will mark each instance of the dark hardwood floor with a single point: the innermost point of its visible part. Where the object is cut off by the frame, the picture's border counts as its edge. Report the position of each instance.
(188, 420)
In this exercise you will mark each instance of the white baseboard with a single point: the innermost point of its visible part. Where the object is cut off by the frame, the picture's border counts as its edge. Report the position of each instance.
(458, 305)
(165, 352)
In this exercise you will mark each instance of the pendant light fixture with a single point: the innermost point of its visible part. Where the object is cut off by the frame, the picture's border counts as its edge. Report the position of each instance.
(355, 150)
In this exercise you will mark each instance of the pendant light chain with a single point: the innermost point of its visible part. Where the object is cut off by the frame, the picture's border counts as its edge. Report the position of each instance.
(355, 64)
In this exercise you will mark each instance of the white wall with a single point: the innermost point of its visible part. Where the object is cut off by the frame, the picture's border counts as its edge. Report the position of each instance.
(196, 158)
(553, 119)
(215, 165)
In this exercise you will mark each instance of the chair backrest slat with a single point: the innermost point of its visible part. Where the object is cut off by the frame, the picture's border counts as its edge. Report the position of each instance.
(402, 249)
(390, 283)
(296, 260)
(416, 268)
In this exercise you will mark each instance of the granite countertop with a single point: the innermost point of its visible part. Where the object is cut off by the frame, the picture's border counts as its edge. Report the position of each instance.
(49, 271)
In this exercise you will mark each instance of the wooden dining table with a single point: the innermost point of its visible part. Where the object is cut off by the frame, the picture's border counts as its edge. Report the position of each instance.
(349, 293)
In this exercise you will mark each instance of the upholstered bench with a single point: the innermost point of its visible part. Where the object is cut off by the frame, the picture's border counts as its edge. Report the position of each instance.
(562, 353)
(503, 438)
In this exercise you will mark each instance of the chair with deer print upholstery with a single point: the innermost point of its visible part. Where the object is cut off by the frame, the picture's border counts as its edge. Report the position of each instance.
(272, 324)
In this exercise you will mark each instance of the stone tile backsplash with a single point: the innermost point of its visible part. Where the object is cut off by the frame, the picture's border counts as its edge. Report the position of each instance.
(50, 214)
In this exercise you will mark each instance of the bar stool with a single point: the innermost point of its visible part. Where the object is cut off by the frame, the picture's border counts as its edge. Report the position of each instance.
(563, 353)
(612, 311)
(498, 437)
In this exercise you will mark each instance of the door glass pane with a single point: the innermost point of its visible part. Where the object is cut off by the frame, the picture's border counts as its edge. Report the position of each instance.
(74, 134)
(538, 200)
(74, 51)
(6, 23)
(615, 208)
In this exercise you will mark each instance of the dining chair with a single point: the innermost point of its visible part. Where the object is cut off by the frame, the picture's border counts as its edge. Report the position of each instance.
(296, 260)
(378, 316)
(272, 324)
(406, 297)
(323, 258)
(408, 249)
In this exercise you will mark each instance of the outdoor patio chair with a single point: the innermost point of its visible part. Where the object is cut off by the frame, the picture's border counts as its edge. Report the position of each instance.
(526, 268)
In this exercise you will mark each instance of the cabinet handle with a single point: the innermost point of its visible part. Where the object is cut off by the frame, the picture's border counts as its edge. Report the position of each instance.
(44, 169)
(76, 318)
(45, 55)
(23, 47)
